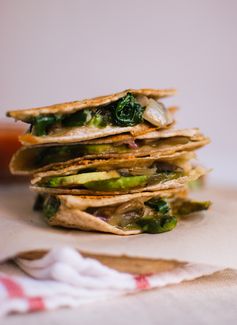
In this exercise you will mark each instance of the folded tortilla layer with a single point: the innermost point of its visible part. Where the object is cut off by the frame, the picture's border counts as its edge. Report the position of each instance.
(129, 214)
(118, 176)
(158, 144)
(72, 107)
(56, 123)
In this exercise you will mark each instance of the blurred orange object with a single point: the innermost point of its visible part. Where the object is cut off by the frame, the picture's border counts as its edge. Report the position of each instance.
(9, 143)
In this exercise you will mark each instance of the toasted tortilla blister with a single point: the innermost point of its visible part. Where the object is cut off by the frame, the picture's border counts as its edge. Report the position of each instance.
(23, 162)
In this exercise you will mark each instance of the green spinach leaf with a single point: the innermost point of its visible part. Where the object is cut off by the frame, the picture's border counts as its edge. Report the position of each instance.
(126, 111)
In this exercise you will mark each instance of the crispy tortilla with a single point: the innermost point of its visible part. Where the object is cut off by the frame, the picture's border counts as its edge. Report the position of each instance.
(108, 164)
(192, 175)
(71, 107)
(23, 162)
(75, 134)
(82, 133)
(180, 159)
(71, 214)
(193, 133)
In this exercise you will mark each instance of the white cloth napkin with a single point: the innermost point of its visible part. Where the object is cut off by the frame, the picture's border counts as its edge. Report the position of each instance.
(64, 278)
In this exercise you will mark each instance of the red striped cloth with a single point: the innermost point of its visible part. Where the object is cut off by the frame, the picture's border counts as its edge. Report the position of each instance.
(63, 278)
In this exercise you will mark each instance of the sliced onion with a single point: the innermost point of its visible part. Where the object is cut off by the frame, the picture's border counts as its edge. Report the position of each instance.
(129, 206)
(156, 114)
(142, 171)
(132, 144)
(142, 100)
(127, 213)
(137, 171)
(103, 212)
(102, 218)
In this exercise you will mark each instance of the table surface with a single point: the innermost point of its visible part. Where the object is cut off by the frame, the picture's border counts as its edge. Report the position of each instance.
(208, 300)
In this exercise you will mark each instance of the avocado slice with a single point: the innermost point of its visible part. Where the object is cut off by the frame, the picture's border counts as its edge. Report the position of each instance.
(96, 148)
(80, 179)
(103, 148)
(118, 184)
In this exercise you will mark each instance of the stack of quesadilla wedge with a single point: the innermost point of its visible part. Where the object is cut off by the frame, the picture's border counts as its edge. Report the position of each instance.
(114, 163)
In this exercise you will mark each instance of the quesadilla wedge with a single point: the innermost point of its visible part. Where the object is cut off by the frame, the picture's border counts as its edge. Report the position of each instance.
(118, 176)
(133, 111)
(36, 158)
(129, 214)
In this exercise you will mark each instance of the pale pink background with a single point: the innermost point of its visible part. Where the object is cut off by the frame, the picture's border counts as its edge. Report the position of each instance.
(59, 50)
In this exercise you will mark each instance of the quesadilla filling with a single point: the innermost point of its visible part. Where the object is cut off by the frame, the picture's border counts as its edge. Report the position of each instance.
(121, 179)
(127, 111)
(155, 215)
(54, 154)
